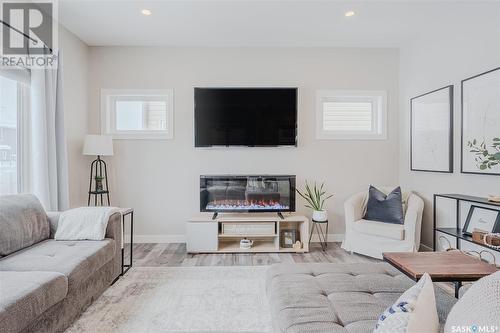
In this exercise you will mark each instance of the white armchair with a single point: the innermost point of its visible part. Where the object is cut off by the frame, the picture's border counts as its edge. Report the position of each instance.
(372, 238)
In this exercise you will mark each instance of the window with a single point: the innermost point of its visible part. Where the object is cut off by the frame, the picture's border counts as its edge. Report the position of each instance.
(137, 114)
(351, 115)
(14, 92)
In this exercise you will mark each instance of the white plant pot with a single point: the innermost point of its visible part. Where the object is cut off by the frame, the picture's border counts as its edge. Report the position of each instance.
(320, 215)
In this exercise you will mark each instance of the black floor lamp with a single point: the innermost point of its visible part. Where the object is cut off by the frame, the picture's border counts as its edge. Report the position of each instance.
(100, 145)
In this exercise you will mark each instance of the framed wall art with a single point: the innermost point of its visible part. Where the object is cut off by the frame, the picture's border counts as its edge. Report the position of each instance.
(481, 123)
(431, 131)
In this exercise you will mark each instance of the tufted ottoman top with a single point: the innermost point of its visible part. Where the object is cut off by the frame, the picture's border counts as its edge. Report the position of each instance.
(337, 297)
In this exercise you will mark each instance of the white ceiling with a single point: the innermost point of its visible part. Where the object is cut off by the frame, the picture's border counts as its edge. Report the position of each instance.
(267, 23)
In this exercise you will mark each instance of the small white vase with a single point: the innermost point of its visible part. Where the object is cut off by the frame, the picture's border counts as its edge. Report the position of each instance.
(320, 215)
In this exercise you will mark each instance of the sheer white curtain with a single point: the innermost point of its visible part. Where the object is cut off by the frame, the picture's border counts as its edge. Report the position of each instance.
(48, 167)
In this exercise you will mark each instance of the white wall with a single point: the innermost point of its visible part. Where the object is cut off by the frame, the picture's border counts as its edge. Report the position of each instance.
(160, 178)
(429, 62)
(75, 75)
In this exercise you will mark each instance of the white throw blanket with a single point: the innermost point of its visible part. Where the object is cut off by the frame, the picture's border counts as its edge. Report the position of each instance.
(84, 223)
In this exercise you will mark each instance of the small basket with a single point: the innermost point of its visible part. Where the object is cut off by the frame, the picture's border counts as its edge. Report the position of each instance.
(449, 247)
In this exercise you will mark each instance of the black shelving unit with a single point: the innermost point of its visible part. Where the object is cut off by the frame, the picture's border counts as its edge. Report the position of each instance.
(456, 232)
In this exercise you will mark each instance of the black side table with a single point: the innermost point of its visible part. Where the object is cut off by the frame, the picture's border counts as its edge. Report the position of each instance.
(321, 235)
(125, 212)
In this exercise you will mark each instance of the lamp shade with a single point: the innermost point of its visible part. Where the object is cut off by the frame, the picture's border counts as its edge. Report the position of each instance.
(98, 145)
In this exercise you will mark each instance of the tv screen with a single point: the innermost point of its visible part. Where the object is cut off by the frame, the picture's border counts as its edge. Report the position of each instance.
(254, 117)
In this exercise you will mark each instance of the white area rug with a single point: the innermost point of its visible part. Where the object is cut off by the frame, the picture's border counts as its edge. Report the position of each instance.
(181, 299)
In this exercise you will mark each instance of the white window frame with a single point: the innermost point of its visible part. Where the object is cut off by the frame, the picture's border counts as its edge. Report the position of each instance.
(108, 125)
(378, 99)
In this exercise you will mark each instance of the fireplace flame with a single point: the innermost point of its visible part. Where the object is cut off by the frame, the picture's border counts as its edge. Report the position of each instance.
(246, 205)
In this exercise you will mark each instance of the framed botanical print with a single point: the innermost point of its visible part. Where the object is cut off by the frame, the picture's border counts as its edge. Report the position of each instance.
(431, 131)
(482, 218)
(481, 124)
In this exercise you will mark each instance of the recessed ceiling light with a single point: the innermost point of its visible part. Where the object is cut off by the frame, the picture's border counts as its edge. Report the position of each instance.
(146, 12)
(349, 13)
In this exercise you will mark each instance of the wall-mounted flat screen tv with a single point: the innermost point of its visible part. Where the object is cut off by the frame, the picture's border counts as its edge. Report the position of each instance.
(252, 117)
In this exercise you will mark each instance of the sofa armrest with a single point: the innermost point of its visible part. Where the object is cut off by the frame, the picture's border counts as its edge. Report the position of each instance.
(53, 218)
(114, 228)
(413, 220)
(114, 231)
(354, 207)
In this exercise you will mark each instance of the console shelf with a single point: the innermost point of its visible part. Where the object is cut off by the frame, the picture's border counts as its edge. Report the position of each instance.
(223, 235)
(234, 247)
(247, 236)
(450, 215)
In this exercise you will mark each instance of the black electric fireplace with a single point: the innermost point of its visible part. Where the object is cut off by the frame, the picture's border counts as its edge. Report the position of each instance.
(247, 193)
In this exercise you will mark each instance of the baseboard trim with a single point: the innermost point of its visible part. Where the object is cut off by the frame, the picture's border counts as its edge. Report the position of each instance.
(182, 238)
(330, 238)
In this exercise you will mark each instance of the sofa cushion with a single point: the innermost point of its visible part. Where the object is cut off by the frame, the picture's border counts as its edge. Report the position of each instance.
(387, 208)
(479, 306)
(26, 295)
(336, 297)
(380, 229)
(23, 222)
(77, 260)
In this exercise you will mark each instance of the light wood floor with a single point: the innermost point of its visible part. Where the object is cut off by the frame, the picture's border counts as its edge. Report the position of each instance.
(174, 254)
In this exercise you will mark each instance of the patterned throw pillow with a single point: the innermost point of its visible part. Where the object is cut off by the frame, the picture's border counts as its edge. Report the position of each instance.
(414, 311)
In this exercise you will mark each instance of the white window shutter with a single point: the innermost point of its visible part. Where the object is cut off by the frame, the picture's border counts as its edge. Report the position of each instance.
(347, 116)
(156, 115)
(351, 115)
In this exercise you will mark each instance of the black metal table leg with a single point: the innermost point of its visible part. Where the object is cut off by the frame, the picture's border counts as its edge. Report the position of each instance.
(123, 263)
(323, 238)
(458, 285)
(322, 241)
(126, 267)
(311, 234)
(131, 238)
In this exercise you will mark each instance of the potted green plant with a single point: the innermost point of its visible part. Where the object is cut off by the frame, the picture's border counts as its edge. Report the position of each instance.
(316, 198)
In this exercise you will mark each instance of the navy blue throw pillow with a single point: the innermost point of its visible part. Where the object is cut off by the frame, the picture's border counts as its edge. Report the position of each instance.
(385, 208)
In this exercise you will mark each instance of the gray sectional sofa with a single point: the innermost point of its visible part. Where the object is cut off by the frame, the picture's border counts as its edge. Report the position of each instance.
(343, 298)
(46, 284)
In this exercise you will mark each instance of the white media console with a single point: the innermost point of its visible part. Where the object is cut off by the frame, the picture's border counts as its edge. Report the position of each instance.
(224, 233)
